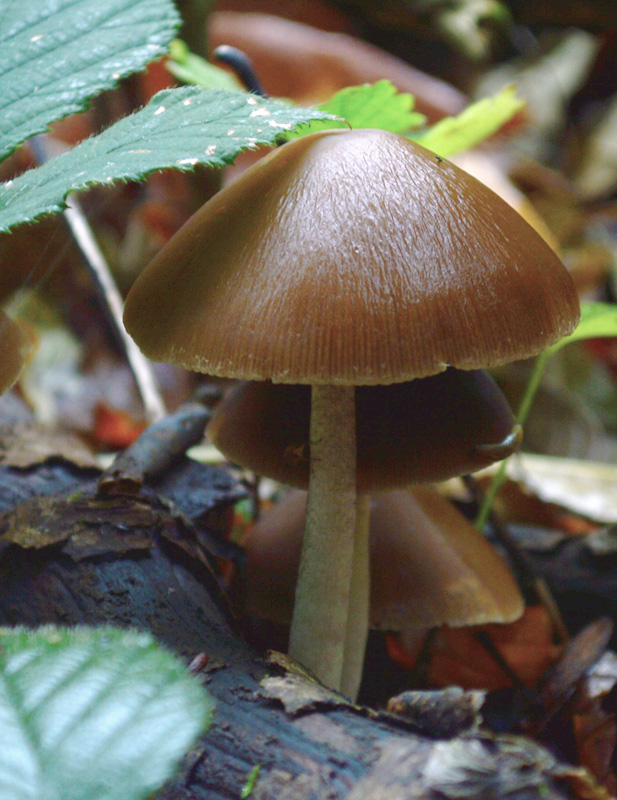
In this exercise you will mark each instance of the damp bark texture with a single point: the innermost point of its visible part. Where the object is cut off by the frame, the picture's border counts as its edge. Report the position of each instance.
(129, 561)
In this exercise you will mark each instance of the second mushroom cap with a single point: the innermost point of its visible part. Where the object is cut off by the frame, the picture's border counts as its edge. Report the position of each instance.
(425, 430)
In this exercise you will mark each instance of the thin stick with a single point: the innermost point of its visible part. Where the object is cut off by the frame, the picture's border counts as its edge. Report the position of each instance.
(97, 265)
(140, 366)
(242, 66)
(158, 448)
(359, 602)
(318, 628)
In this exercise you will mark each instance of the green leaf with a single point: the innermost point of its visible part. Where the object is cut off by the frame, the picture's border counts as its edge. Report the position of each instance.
(377, 105)
(372, 105)
(178, 128)
(598, 321)
(193, 69)
(473, 125)
(57, 54)
(92, 714)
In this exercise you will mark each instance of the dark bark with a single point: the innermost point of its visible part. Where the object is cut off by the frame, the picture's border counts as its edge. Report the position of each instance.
(77, 559)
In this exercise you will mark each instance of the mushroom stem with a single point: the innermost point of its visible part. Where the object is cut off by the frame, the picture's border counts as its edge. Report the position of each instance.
(318, 628)
(359, 602)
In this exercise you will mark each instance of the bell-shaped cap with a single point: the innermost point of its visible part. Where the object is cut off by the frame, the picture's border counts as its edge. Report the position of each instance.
(425, 430)
(15, 344)
(351, 257)
(429, 566)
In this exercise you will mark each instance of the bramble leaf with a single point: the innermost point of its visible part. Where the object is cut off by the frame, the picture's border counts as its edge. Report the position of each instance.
(92, 714)
(376, 105)
(179, 128)
(57, 54)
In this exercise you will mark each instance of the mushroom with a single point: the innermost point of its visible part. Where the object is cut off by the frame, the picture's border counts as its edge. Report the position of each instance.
(15, 344)
(347, 258)
(420, 431)
(424, 430)
(429, 565)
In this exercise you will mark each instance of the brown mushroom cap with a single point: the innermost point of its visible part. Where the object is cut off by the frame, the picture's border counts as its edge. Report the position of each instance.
(429, 565)
(15, 345)
(424, 430)
(351, 257)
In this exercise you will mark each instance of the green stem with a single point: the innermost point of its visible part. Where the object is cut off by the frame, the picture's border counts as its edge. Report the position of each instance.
(523, 412)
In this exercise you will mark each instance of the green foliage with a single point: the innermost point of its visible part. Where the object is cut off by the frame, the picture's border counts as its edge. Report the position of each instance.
(598, 321)
(371, 105)
(473, 125)
(190, 68)
(178, 128)
(92, 714)
(248, 787)
(380, 105)
(57, 54)
(377, 105)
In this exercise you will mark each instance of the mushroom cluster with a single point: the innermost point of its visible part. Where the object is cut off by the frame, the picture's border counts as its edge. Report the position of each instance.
(345, 259)
(412, 432)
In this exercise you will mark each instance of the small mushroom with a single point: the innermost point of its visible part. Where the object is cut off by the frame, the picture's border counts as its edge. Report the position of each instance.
(342, 259)
(429, 565)
(15, 344)
(419, 431)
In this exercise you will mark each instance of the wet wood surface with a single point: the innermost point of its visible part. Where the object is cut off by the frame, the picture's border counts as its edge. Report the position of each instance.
(76, 558)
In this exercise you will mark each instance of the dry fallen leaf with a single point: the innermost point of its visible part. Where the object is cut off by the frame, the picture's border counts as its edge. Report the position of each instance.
(458, 659)
(26, 444)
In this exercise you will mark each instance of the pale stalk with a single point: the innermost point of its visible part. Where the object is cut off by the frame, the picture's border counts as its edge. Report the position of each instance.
(318, 628)
(359, 602)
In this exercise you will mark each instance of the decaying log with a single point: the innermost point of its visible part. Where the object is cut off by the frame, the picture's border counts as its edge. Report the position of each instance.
(76, 558)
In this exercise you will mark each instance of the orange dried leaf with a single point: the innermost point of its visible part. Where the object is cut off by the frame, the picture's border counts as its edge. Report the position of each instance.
(457, 658)
(115, 429)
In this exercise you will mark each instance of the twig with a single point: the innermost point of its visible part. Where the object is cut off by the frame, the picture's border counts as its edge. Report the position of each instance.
(241, 64)
(97, 265)
(157, 449)
(521, 416)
